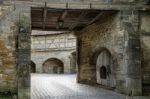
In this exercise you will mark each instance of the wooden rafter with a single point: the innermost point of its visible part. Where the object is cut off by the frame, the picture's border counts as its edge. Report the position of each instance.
(44, 16)
(81, 16)
(50, 19)
(61, 18)
(64, 15)
(96, 18)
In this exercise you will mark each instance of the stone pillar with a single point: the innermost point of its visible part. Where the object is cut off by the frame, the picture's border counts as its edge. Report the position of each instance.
(130, 82)
(23, 67)
(39, 67)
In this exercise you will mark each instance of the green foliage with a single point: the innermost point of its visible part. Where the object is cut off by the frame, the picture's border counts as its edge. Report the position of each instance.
(5, 97)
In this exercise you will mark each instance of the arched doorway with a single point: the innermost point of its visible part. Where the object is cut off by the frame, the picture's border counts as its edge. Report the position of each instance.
(33, 67)
(53, 66)
(104, 69)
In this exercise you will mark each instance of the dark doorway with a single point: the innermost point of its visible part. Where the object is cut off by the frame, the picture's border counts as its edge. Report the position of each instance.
(33, 67)
(103, 72)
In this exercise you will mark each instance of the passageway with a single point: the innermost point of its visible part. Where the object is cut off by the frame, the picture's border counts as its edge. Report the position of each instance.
(55, 86)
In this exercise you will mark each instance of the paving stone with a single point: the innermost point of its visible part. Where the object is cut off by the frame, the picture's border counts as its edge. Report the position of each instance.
(50, 86)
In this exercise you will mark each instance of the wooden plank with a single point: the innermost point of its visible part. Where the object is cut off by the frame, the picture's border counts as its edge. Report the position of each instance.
(44, 16)
(96, 18)
(82, 15)
(64, 15)
(49, 28)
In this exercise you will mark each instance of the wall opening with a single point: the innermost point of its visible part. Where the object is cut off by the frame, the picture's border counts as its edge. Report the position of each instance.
(103, 72)
(54, 53)
(33, 67)
(53, 66)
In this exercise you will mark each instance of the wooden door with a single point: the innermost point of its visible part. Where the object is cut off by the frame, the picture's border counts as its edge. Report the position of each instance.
(104, 69)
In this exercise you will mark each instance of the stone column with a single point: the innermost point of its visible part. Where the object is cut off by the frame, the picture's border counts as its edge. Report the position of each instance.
(130, 82)
(23, 67)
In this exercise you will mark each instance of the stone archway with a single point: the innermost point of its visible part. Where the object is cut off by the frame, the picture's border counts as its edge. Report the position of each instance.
(104, 69)
(33, 67)
(53, 66)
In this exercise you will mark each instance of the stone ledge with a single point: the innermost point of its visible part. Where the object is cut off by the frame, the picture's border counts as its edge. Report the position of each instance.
(83, 5)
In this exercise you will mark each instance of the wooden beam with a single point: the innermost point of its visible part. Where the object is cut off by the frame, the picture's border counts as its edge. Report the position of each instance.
(96, 18)
(36, 8)
(64, 15)
(81, 16)
(61, 18)
(44, 16)
(49, 28)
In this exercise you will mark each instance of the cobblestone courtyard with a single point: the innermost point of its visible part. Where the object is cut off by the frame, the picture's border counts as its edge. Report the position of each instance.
(51, 86)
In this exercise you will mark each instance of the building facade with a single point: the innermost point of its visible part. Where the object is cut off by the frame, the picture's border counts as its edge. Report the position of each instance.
(112, 48)
(53, 52)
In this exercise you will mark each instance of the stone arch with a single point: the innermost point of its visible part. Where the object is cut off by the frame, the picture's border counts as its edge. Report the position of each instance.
(95, 53)
(105, 70)
(33, 67)
(53, 66)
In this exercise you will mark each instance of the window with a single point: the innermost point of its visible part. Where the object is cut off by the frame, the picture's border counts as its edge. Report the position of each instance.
(103, 72)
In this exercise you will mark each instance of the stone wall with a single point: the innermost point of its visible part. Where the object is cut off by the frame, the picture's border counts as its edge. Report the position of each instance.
(8, 55)
(104, 1)
(145, 44)
(119, 35)
(121, 40)
(15, 53)
(104, 34)
(88, 1)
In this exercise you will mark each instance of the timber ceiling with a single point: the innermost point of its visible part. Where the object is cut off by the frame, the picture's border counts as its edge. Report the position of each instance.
(63, 19)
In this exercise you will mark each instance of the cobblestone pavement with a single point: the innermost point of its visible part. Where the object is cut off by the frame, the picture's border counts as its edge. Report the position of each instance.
(49, 86)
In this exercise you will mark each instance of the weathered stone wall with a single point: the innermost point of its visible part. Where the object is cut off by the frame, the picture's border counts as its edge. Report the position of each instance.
(108, 33)
(103, 1)
(119, 35)
(145, 44)
(104, 34)
(14, 58)
(24, 50)
(8, 55)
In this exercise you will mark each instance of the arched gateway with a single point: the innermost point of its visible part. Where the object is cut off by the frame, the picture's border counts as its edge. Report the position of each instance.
(53, 66)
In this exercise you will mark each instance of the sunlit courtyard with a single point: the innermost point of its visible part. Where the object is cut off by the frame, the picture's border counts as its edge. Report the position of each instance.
(55, 86)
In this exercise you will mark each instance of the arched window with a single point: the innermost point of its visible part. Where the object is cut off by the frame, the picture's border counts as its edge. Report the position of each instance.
(103, 72)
